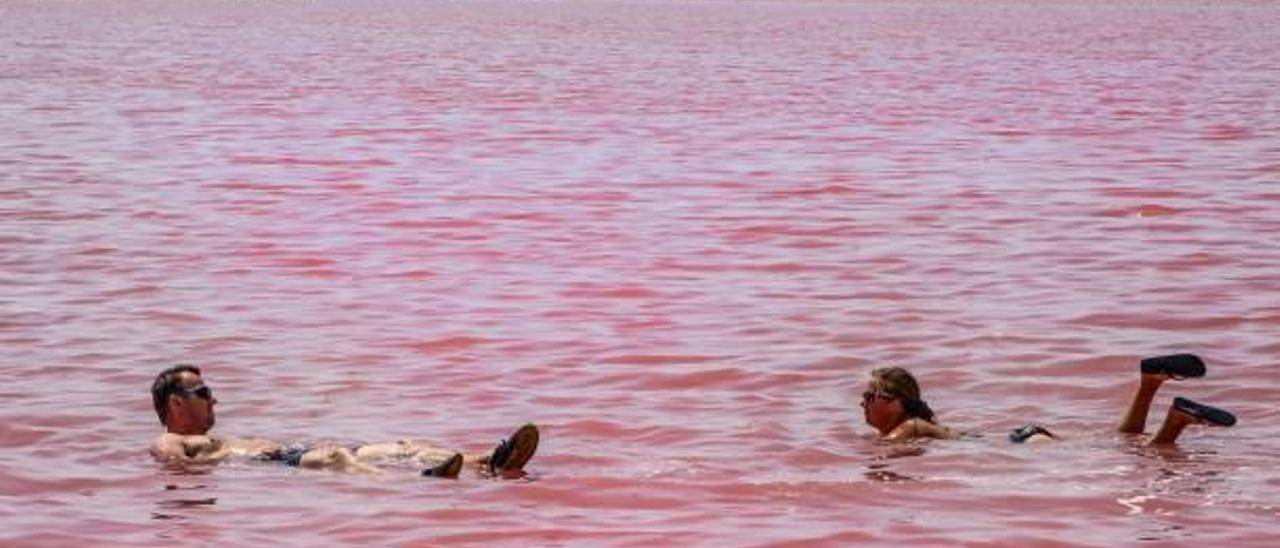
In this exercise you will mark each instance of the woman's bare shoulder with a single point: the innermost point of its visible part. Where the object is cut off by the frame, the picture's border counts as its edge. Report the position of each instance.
(920, 428)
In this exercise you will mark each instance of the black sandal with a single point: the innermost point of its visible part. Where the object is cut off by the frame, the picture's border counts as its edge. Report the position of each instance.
(1207, 414)
(1176, 366)
(514, 452)
(447, 469)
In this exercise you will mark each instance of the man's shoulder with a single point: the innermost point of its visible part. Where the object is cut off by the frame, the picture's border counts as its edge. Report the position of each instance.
(166, 445)
(172, 445)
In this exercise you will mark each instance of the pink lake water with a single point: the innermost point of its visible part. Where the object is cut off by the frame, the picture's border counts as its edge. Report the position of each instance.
(676, 235)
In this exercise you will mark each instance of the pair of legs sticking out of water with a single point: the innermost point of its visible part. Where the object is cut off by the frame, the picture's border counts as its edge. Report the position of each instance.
(892, 404)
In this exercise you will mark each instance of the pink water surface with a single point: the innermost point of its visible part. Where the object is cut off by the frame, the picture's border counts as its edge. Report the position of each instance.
(674, 234)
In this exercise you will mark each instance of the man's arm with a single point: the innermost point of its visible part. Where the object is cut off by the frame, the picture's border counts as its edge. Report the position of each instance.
(191, 449)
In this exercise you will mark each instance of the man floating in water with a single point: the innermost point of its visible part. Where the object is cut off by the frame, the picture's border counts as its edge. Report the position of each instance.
(184, 404)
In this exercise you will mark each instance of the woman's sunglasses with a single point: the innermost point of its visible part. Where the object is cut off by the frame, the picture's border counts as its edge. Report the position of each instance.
(871, 395)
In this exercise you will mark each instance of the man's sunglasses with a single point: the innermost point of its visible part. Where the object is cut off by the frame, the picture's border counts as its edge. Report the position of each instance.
(201, 391)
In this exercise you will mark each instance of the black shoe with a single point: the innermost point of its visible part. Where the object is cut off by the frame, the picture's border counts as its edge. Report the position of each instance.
(514, 452)
(1207, 414)
(447, 469)
(1177, 366)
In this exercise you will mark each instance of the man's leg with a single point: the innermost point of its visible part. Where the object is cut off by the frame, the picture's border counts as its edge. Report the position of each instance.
(404, 449)
(512, 453)
(339, 459)
(1135, 420)
(432, 455)
(507, 459)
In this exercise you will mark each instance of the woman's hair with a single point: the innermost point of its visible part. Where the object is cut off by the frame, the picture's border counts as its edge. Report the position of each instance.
(899, 384)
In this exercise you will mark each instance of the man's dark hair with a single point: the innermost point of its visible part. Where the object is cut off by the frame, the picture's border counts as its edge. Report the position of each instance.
(166, 384)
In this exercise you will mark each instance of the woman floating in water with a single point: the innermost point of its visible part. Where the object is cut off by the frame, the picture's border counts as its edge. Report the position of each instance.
(893, 406)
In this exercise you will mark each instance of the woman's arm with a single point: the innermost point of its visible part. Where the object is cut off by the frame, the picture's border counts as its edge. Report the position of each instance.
(920, 428)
